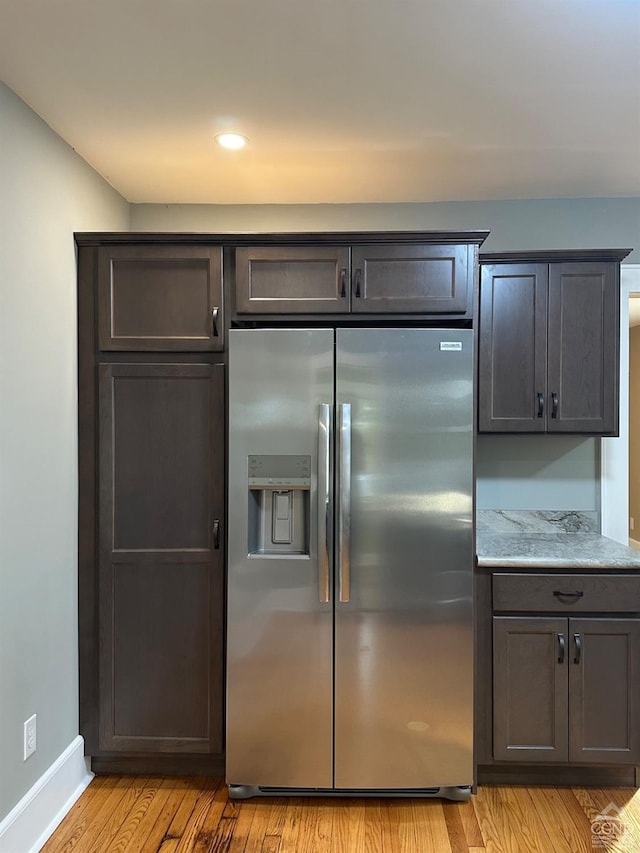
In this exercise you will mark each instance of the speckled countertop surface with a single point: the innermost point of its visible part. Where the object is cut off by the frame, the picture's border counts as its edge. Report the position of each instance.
(539, 539)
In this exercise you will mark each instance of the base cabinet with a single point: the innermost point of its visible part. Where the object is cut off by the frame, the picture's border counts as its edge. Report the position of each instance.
(566, 689)
(530, 690)
(557, 676)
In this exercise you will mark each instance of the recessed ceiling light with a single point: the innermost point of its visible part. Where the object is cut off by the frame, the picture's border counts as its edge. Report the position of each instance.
(231, 140)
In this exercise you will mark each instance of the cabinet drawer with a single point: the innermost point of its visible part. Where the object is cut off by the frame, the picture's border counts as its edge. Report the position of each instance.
(585, 593)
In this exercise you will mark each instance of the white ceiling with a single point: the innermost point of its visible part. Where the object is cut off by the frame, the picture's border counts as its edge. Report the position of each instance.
(343, 100)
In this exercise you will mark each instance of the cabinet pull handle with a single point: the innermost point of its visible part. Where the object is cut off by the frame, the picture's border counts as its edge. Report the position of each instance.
(216, 534)
(540, 404)
(559, 593)
(578, 644)
(554, 404)
(560, 648)
(214, 322)
(358, 280)
(343, 282)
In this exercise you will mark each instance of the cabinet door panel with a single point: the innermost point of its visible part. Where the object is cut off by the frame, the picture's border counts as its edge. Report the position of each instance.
(512, 348)
(412, 279)
(160, 428)
(604, 690)
(292, 280)
(161, 456)
(529, 689)
(162, 298)
(583, 348)
(161, 645)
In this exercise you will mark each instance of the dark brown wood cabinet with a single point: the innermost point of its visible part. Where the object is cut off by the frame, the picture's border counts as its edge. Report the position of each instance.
(152, 495)
(381, 278)
(292, 279)
(549, 343)
(530, 689)
(160, 298)
(161, 568)
(422, 279)
(604, 690)
(565, 652)
(566, 690)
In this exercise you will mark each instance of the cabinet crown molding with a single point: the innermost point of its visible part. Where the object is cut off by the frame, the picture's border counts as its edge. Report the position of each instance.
(255, 238)
(554, 256)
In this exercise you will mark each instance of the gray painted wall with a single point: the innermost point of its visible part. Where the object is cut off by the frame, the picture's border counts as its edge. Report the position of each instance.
(48, 191)
(538, 472)
(521, 224)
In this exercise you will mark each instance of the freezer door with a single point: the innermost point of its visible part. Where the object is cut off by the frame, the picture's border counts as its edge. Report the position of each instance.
(404, 650)
(279, 618)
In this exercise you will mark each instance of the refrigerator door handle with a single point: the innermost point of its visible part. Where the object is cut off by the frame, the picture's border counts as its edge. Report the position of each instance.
(324, 450)
(344, 503)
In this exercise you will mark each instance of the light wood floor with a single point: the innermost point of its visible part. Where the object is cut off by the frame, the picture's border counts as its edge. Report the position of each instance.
(126, 813)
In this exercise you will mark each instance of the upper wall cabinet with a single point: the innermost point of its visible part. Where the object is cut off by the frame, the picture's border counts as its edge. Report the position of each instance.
(292, 280)
(549, 343)
(160, 298)
(384, 278)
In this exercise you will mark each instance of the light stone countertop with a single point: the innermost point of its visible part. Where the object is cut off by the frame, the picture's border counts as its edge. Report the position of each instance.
(537, 539)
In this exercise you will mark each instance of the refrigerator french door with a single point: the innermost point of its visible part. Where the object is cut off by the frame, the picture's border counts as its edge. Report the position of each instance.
(349, 622)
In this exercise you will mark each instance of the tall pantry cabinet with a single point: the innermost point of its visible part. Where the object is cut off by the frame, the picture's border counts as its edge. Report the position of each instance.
(152, 462)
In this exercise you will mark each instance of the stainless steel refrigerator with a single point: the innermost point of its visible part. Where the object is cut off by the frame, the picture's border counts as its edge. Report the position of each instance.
(349, 624)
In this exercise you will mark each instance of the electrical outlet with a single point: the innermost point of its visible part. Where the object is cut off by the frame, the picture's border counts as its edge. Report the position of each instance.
(632, 523)
(29, 736)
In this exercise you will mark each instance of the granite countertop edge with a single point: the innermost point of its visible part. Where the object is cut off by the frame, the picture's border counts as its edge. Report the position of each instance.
(554, 551)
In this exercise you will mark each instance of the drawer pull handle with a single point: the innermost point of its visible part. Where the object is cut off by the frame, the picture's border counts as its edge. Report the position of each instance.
(358, 281)
(540, 405)
(343, 280)
(577, 593)
(214, 322)
(578, 644)
(560, 648)
(554, 404)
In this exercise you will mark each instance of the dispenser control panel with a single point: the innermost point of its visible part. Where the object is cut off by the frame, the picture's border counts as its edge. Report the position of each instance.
(279, 472)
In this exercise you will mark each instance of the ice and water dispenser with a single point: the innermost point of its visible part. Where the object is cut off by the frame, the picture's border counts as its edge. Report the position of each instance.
(279, 491)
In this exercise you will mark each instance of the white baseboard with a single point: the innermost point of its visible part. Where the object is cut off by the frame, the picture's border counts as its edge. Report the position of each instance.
(32, 821)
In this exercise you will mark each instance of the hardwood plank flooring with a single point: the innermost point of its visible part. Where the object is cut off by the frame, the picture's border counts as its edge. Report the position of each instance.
(127, 814)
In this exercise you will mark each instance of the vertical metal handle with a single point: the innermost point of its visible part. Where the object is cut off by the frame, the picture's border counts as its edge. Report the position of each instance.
(344, 504)
(343, 282)
(358, 281)
(214, 321)
(577, 639)
(560, 648)
(216, 534)
(540, 404)
(554, 404)
(324, 450)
